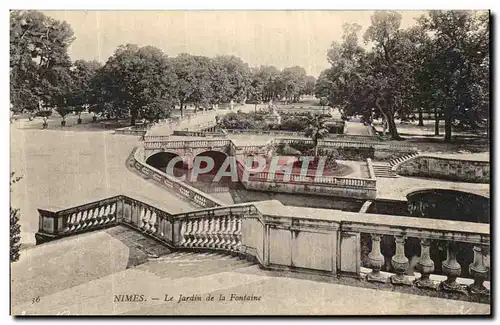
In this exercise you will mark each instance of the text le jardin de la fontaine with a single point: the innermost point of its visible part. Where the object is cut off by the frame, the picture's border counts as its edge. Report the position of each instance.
(188, 298)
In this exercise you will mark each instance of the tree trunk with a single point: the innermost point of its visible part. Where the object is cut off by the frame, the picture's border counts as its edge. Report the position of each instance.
(436, 121)
(447, 124)
(181, 108)
(392, 128)
(133, 117)
(420, 117)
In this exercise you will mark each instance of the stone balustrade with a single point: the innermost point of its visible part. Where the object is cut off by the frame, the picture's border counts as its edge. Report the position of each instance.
(170, 182)
(151, 145)
(215, 229)
(327, 242)
(299, 178)
(90, 216)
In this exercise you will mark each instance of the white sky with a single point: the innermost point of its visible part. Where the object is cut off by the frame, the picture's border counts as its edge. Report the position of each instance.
(279, 38)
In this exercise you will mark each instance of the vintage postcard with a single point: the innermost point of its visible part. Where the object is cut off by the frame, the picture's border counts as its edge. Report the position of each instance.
(250, 162)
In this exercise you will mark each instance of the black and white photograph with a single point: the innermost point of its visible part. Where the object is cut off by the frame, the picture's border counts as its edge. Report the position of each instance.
(250, 162)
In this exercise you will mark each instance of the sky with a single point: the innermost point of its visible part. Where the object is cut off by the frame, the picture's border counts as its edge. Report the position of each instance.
(279, 38)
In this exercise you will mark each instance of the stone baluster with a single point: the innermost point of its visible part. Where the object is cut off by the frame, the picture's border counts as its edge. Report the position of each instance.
(216, 235)
(211, 233)
(199, 232)
(231, 230)
(222, 232)
(229, 233)
(400, 262)
(425, 265)
(73, 221)
(206, 235)
(187, 235)
(85, 219)
(143, 219)
(152, 222)
(80, 220)
(90, 221)
(203, 232)
(376, 261)
(479, 272)
(452, 270)
(237, 234)
(103, 215)
(183, 233)
(195, 233)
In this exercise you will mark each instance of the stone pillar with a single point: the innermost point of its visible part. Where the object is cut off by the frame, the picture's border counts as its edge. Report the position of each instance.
(400, 262)
(452, 270)
(376, 261)
(425, 266)
(479, 272)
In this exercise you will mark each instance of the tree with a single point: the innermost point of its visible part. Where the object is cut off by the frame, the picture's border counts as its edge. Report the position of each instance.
(63, 111)
(309, 87)
(316, 130)
(268, 78)
(133, 79)
(458, 65)
(15, 228)
(193, 80)
(156, 110)
(388, 66)
(39, 61)
(293, 81)
(230, 79)
(81, 93)
(346, 83)
(45, 114)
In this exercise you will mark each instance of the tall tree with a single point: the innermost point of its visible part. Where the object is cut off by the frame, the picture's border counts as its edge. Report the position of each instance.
(309, 86)
(459, 65)
(230, 79)
(39, 61)
(384, 34)
(135, 77)
(293, 81)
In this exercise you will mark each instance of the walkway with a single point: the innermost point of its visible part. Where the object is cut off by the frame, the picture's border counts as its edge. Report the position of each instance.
(87, 271)
(355, 127)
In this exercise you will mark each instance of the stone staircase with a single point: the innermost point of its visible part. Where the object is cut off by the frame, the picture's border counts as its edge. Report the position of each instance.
(181, 264)
(393, 162)
(385, 169)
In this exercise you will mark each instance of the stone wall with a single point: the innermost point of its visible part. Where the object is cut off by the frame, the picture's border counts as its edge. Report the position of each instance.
(447, 169)
(356, 192)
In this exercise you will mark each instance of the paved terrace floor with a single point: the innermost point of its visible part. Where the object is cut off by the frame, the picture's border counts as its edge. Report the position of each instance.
(65, 168)
(86, 271)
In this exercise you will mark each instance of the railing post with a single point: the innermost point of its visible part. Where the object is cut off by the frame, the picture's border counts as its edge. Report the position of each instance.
(452, 270)
(376, 261)
(425, 266)
(400, 262)
(479, 272)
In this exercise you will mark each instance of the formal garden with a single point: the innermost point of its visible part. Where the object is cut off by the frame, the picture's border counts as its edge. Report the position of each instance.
(265, 121)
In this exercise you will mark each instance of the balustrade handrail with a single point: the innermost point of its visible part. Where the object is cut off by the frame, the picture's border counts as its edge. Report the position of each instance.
(87, 206)
(317, 180)
(235, 209)
(437, 229)
(181, 185)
